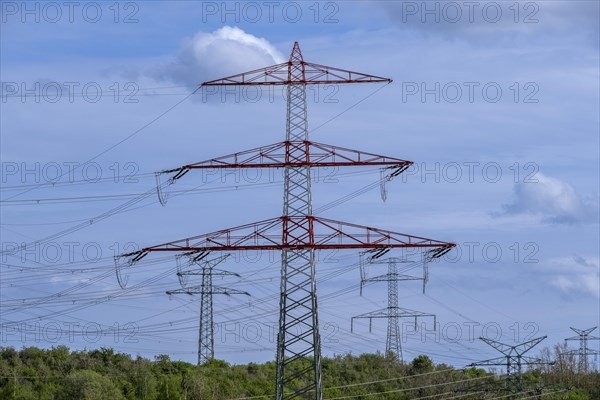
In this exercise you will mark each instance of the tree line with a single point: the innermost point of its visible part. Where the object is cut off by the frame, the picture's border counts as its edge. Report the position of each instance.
(60, 374)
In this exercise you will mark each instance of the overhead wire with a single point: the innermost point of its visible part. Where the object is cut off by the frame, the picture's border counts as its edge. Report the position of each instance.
(339, 201)
(126, 138)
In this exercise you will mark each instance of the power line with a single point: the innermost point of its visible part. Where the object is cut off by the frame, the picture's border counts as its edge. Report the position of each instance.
(131, 135)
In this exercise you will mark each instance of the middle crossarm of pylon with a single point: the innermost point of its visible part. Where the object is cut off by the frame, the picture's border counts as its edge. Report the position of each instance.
(321, 234)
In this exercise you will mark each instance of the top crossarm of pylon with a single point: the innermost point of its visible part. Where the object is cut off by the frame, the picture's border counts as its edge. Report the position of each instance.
(583, 334)
(517, 350)
(296, 71)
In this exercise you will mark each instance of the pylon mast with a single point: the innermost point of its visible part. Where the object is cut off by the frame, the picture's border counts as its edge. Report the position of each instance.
(583, 336)
(206, 335)
(393, 313)
(297, 234)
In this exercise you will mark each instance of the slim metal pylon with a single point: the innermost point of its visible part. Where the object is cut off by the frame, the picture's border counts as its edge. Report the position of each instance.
(393, 344)
(583, 335)
(393, 313)
(206, 332)
(513, 360)
(298, 336)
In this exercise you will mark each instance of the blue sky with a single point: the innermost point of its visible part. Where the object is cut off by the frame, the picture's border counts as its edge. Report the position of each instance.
(497, 105)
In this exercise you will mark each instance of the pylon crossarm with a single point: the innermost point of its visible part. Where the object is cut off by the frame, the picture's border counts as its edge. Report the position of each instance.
(584, 337)
(492, 362)
(303, 232)
(396, 277)
(583, 332)
(525, 360)
(388, 260)
(399, 312)
(200, 290)
(577, 352)
(312, 74)
(517, 350)
(215, 272)
(286, 154)
(391, 312)
(406, 262)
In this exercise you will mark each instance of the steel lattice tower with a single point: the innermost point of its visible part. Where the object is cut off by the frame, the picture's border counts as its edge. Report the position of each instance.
(393, 313)
(298, 297)
(583, 335)
(206, 335)
(297, 233)
(513, 360)
(393, 342)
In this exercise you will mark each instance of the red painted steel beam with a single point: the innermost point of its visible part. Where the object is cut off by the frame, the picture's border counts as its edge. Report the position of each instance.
(281, 74)
(278, 247)
(315, 74)
(291, 233)
(279, 155)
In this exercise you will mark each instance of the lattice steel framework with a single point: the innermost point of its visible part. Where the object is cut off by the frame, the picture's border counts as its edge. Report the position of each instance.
(513, 360)
(206, 335)
(393, 313)
(583, 335)
(297, 234)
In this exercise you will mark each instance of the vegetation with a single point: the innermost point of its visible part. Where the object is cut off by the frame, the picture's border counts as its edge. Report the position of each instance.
(33, 373)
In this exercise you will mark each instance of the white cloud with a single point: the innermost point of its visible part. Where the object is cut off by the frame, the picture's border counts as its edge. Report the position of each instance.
(500, 22)
(574, 274)
(552, 200)
(226, 51)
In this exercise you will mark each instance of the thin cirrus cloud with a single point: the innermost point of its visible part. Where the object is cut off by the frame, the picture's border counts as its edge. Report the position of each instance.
(226, 51)
(552, 200)
(573, 275)
(479, 22)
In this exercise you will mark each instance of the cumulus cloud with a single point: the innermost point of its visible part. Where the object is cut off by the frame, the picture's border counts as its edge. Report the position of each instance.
(552, 200)
(573, 275)
(226, 51)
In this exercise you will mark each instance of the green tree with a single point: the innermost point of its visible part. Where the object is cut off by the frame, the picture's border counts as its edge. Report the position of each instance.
(421, 364)
(89, 385)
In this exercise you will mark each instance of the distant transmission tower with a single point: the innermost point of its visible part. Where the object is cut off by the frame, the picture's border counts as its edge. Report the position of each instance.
(514, 360)
(583, 335)
(206, 335)
(297, 234)
(392, 313)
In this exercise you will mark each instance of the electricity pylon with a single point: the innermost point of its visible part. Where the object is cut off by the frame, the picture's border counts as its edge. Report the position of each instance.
(513, 360)
(206, 335)
(583, 335)
(298, 233)
(392, 313)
